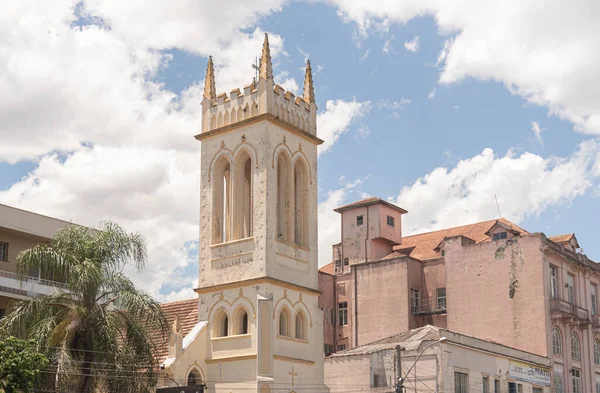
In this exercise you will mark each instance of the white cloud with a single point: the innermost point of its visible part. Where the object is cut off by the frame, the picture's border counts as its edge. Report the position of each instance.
(546, 53)
(338, 116)
(365, 55)
(387, 46)
(389, 104)
(287, 82)
(412, 45)
(525, 185)
(537, 131)
(109, 141)
(431, 94)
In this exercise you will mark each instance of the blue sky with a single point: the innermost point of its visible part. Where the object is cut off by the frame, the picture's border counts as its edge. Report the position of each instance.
(104, 103)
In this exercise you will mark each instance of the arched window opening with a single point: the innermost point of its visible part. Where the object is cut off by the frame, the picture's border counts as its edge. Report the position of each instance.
(284, 323)
(597, 352)
(575, 349)
(301, 203)
(556, 341)
(284, 198)
(300, 326)
(242, 192)
(221, 324)
(241, 321)
(194, 378)
(221, 201)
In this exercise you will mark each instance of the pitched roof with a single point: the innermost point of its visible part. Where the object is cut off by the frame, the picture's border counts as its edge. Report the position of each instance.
(562, 238)
(327, 269)
(368, 202)
(187, 314)
(410, 341)
(422, 246)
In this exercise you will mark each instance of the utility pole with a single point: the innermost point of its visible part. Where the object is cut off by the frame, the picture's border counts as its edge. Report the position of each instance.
(400, 381)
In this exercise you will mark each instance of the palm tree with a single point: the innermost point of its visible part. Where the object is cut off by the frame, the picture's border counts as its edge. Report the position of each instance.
(97, 330)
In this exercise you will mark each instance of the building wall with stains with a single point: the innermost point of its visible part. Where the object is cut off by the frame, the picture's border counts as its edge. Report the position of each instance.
(327, 305)
(382, 293)
(496, 291)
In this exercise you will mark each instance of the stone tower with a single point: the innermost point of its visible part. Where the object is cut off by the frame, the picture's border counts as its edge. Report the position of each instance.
(258, 236)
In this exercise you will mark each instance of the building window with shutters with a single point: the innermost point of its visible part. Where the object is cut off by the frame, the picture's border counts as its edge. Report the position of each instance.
(342, 313)
(597, 352)
(485, 383)
(570, 288)
(575, 348)
(390, 221)
(359, 220)
(461, 382)
(593, 303)
(556, 341)
(3, 251)
(441, 298)
(553, 282)
(415, 300)
(576, 378)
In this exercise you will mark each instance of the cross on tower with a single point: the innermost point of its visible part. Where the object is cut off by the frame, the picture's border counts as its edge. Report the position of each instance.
(256, 66)
(293, 374)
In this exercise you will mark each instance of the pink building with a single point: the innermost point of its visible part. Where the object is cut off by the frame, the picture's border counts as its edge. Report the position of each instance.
(492, 280)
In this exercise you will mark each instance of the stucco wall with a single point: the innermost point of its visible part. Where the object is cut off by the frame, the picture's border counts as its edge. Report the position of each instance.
(17, 242)
(383, 307)
(327, 303)
(495, 291)
(247, 258)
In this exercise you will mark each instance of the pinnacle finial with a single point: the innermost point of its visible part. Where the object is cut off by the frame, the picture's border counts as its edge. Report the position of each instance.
(266, 68)
(176, 327)
(309, 90)
(210, 91)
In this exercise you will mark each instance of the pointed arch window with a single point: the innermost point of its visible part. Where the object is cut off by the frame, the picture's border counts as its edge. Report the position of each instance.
(284, 197)
(242, 196)
(221, 217)
(556, 342)
(597, 352)
(575, 348)
(301, 203)
(301, 326)
(241, 321)
(193, 378)
(221, 324)
(284, 322)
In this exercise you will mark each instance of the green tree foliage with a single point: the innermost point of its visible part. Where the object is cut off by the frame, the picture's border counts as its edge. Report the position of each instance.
(97, 329)
(20, 364)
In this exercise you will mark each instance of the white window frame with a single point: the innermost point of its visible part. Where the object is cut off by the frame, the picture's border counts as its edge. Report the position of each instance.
(415, 300)
(440, 299)
(343, 314)
(576, 380)
(593, 298)
(461, 382)
(4, 251)
(557, 345)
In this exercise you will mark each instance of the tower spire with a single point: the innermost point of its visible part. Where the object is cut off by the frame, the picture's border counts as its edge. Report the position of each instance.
(309, 90)
(210, 92)
(266, 68)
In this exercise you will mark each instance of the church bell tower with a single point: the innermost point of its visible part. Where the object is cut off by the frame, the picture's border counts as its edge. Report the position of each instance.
(258, 278)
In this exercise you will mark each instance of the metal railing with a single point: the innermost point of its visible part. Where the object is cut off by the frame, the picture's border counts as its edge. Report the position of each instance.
(564, 307)
(430, 306)
(37, 280)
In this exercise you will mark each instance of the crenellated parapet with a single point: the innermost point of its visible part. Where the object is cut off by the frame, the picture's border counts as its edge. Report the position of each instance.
(258, 98)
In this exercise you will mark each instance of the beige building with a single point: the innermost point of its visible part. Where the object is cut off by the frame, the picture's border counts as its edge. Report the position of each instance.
(21, 230)
(433, 359)
(492, 280)
(256, 325)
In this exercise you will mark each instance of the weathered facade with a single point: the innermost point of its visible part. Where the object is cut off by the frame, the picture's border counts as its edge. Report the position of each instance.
(433, 359)
(492, 280)
(259, 326)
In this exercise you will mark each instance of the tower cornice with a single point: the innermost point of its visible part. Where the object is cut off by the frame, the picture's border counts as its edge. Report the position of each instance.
(262, 117)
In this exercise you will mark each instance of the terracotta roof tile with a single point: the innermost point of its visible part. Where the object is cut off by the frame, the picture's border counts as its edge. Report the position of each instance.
(187, 313)
(562, 238)
(367, 202)
(422, 246)
(328, 269)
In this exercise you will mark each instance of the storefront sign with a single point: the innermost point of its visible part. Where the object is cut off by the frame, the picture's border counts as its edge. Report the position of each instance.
(527, 373)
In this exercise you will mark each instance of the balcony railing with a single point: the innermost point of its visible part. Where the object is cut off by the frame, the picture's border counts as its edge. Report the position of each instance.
(430, 306)
(569, 310)
(29, 286)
